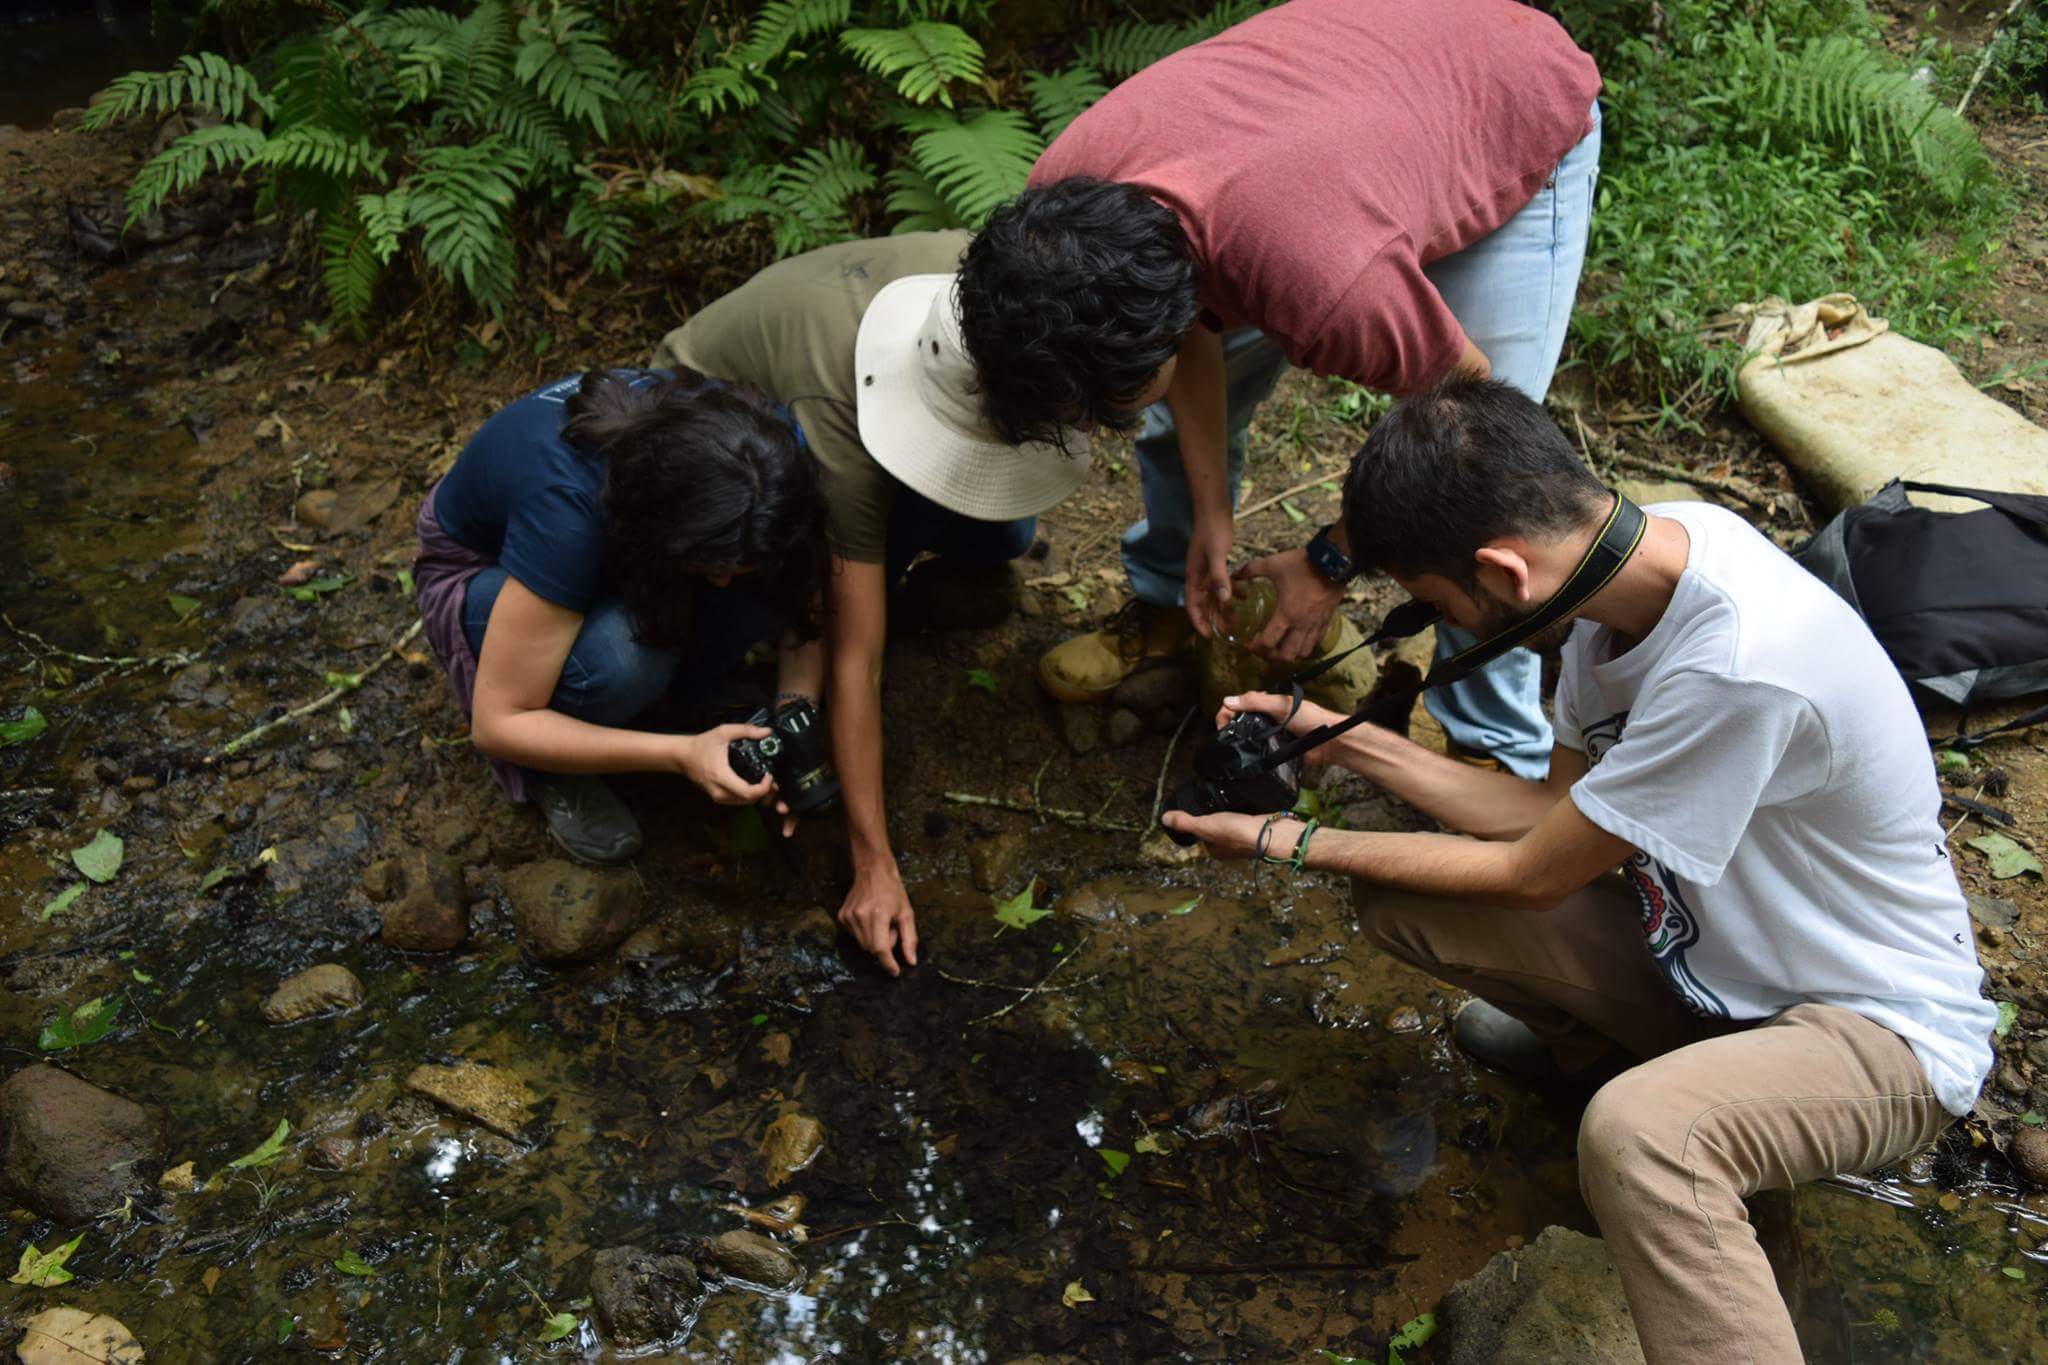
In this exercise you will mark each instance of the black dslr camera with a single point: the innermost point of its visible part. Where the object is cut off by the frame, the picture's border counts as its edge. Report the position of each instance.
(1234, 771)
(796, 753)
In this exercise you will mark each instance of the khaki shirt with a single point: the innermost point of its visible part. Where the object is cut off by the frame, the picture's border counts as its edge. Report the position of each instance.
(789, 332)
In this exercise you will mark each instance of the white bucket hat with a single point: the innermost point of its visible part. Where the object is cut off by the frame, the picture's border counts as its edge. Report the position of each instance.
(921, 418)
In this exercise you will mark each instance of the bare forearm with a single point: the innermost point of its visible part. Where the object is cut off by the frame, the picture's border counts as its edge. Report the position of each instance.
(1476, 801)
(800, 669)
(1197, 399)
(856, 711)
(556, 743)
(1427, 864)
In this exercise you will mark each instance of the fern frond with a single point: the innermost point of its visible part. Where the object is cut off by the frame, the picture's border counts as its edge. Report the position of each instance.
(530, 125)
(477, 58)
(350, 268)
(977, 164)
(782, 22)
(315, 82)
(602, 225)
(922, 57)
(913, 195)
(1227, 14)
(1057, 99)
(1121, 49)
(807, 201)
(1843, 91)
(204, 80)
(385, 218)
(710, 90)
(309, 147)
(180, 166)
(565, 57)
(458, 198)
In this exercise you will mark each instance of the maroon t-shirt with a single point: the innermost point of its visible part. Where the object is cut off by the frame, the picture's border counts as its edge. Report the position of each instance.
(1321, 154)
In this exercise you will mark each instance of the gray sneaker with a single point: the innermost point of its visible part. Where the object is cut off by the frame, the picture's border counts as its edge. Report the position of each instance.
(587, 818)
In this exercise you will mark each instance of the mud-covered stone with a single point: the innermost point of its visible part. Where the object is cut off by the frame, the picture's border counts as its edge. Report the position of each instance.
(1559, 1298)
(791, 1143)
(1164, 691)
(641, 1297)
(748, 1256)
(491, 1095)
(1081, 727)
(2029, 1153)
(566, 913)
(1123, 727)
(327, 988)
(72, 1151)
(996, 861)
(422, 908)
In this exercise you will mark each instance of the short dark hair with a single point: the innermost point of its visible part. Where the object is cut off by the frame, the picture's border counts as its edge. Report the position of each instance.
(1455, 467)
(702, 479)
(1071, 298)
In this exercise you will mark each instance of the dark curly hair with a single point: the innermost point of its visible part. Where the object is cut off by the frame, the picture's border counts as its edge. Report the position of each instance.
(1071, 298)
(702, 479)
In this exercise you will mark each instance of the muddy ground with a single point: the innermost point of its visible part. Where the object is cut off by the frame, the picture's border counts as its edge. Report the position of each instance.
(1240, 1133)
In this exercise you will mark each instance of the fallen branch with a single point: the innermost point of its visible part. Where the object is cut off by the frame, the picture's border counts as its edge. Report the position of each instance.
(1030, 991)
(1286, 493)
(1077, 818)
(1984, 57)
(37, 644)
(1740, 489)
(321, 702)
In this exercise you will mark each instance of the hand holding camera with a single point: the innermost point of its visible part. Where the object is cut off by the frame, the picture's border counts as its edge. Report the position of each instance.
(706, 760)
(789, 745)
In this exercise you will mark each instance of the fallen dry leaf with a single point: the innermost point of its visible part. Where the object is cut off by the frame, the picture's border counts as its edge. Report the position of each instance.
(299, 573)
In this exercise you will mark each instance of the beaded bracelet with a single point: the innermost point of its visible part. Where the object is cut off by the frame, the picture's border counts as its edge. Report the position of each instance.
(1298, 859)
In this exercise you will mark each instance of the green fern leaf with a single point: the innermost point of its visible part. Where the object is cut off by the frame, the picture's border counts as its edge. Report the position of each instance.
(602, 224)
(710, 90)
(977, 164)
(203, 80)
(782, 22)
(1058, 99)
(530, 125)
(310, 147)
(1122, 49)
(807, 201)
(565, 56)
(385, 218)
(350, 268)
(180, 166)
(459, 197)
(923, 57)
(913, 195)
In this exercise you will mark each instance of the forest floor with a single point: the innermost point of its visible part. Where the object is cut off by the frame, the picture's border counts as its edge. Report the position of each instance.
(1286, 1153)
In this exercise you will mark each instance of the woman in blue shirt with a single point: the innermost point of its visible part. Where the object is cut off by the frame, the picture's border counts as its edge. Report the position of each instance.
(605, 541)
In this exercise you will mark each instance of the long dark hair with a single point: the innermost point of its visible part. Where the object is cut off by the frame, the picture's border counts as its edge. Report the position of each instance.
(702, 479)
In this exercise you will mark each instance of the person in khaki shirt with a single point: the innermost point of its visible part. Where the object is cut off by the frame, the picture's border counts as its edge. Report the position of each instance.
(861, 342)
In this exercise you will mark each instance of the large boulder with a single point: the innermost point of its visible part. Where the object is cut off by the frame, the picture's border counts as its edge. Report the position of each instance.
(72, 1151)
(642, 1297)
(420, 901)
(1559, 1298)
(566, 913)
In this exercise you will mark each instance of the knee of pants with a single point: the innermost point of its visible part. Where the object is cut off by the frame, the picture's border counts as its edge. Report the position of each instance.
(1013, 538)
(1392, 922)
(1632, 1138)
(609, 676)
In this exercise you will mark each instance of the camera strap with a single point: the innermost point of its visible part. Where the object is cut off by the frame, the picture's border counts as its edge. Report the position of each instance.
(1619, 536)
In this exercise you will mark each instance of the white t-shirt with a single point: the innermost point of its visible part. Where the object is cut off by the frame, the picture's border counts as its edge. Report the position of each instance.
(1760, 750)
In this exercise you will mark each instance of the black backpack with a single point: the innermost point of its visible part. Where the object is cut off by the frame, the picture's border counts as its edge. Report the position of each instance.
(1959, 600)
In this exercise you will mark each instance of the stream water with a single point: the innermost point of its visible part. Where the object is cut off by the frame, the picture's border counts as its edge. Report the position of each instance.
(1241, 1132)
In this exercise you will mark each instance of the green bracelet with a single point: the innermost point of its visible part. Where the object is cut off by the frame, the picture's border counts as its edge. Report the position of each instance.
(1299, 862)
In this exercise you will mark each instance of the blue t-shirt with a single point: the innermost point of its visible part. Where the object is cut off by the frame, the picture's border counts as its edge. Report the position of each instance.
(530, 500)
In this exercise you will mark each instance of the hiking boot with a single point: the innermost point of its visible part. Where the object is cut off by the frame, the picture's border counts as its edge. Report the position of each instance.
(1089, 667)
(1476, 758)
(587, 819)
(951, 594)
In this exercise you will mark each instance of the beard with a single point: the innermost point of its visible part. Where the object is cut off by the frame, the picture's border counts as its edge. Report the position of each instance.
(1502, 614)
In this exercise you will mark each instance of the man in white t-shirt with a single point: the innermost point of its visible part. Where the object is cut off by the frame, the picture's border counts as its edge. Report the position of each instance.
(1785, 948)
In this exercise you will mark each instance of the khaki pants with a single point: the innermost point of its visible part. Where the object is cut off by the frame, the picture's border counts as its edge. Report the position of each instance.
(1669, 1149)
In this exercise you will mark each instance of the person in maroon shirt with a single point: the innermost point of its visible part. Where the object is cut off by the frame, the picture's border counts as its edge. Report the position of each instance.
(1380, 190)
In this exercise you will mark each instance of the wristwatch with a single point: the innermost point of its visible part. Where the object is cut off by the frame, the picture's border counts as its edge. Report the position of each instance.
(1331, 562)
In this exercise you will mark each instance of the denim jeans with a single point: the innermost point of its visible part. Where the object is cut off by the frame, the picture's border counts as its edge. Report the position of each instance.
(917, 524)
(610, 677)
(1512, 292)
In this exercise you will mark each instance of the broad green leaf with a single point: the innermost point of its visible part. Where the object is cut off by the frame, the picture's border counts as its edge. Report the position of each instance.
(1075, 1293)
(557, 1326)
(348, 1263)
(63, 899)
(23, 727)
(985, 680)
(1951, 761)
(1018, 912)
(314, 588)
(1077, 595)
(80, 1025)
(2007, 1014)
(284, 1328)
(758, 1020)
(1115, 1160)
(1414, 1332)
(272, 1148)
(2007, 858)
(2013, 1272)
(101, 857)
(182, 606)
(1186, 907)
(140, 975)
(45, 1269)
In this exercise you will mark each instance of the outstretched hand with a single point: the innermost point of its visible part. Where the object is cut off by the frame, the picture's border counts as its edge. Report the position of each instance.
(1232, 836)
(877, 913)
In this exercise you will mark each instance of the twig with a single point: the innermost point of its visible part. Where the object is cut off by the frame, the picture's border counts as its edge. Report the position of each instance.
(1037, 778)
(863, 1227)
(1065, 958)
(1964, 816)
(1740, 490)
(1284, 494)
(326, 699)
(1984, 58)
(35, 641)
(1159, 787)
(995, 985)
(1065, 817)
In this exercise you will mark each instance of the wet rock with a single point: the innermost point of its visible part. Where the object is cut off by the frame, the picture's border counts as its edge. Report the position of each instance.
(69, 1336)
(1082, 730)
(2010, 1080)
(641, 1297)
(752, 1258)
(1162, 851)
(72, 1151)
(2029, 1153)
(1123, 727)
(180, 1179)
(1406, 1019)
(190, 683)
(2037, 1054)
(1994, 912)
(1157, 691)
(491, 1095)
(316, 508)
(996, 861)
(335, 1152)
(253, 617)
(422, 907)
(566, 913)
(791, 1143)
(1559, 1298)
(329, 987)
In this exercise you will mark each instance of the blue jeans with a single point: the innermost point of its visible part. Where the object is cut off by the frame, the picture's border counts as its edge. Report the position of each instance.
(1512, 292)
(611, 677)
(917, 524)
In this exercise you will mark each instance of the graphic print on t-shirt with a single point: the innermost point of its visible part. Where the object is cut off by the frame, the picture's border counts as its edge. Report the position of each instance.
(1670, 927)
